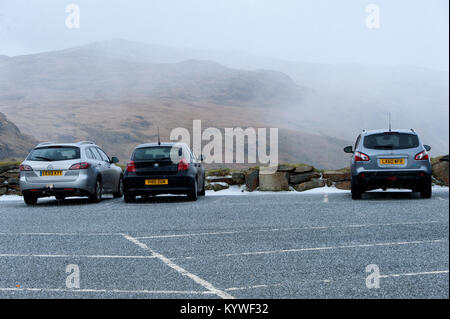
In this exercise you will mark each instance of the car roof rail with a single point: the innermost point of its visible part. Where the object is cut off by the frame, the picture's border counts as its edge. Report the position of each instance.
(85, 142)
(45, 143)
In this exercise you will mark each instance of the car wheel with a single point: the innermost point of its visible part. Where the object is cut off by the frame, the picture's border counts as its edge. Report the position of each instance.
(426, 191)
(128, 198)
(119, 192)
(96, 197)
(203, 191)
(356, 190)
(193, 194)
(30, 199)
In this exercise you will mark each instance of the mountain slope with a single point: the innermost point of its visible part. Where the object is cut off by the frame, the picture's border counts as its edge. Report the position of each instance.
(13, 144)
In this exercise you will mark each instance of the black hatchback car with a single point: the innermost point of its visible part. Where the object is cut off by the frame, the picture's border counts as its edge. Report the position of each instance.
(163, 168)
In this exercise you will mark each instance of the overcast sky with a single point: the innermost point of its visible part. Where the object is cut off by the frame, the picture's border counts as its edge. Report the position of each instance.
(412, 32)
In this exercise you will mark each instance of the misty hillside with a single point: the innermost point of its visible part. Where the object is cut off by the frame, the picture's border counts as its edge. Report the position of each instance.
(117, 92)
(82, 73)
(341, 99)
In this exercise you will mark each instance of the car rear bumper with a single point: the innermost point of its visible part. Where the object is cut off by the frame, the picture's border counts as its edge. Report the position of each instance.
(176, 185)
(392, 179)
(82, 186)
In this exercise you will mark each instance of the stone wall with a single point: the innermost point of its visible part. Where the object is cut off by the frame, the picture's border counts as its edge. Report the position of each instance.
(9, 179)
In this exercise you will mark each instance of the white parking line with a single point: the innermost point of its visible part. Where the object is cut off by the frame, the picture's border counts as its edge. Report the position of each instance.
(437, 272)
(169, 292)
(181, 270)
(325, 198)
(283, 229)
(425, 273)
(282, 251)
(76, 256)
(60, 234)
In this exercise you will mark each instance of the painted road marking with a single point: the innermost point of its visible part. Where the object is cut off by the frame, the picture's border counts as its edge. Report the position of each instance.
(425, 273)
(282, 229)
(294, 250)
(325, 198)
(190, 292)
(222, 294)
(76, 256)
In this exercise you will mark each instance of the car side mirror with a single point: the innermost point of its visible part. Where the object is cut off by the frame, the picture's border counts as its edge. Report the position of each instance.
(114, 160)
(427, 147)
(348, 149)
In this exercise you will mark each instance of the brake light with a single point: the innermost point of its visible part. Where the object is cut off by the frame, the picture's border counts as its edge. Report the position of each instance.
(183, 165)
(83, 165)
(361, 157)
(422, 156)
(131, 167)
(25, 168)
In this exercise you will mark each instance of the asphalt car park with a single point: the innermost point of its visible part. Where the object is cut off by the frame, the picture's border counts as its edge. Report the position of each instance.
(248, 246)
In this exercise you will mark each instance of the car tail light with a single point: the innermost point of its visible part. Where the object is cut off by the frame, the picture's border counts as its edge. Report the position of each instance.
(361, 157)
(131, 167)
(183, 165)
(83, 165)
(25, 168)
(422, 156)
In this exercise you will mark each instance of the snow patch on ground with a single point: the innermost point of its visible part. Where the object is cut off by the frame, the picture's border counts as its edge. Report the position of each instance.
(238, 190)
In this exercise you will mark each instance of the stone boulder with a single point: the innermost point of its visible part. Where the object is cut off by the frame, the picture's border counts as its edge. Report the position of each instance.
(218, 172)
(301, 178)
(216, 186)
(286, 168)
(345, 185)
(278, 181)
(441, 171)
(3, 190)
(220, 179)
(251, 179)
(238, 178)
(8, 167)
(337, 176)
(303, 169)
(314, 183)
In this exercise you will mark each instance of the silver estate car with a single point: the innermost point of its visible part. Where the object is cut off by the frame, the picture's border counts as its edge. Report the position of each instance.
(390, 159)
(69, 169)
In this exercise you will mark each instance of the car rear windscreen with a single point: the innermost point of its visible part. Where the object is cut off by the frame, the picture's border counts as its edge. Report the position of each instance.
(155, 153)
(55, 153)
(391, 141)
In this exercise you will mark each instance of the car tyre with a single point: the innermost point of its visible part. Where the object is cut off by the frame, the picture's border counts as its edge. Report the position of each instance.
(356, 190)
(119, 192)
(128, 198)
(96, 197)
(193, 194)
(203, 191)
(426, 190)
(30, 199)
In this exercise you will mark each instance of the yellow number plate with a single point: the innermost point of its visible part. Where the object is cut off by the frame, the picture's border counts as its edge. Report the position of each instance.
(51, 173)
(392, 161)
(156, 182)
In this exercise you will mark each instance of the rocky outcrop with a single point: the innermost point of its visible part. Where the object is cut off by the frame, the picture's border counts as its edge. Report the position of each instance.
(337, 176)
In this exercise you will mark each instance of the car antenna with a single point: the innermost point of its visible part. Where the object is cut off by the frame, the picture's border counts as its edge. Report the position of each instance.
(390, 125)
(159, 138)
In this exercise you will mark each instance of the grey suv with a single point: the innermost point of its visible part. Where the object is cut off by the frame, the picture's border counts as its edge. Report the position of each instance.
(390, 159)
(69, 169)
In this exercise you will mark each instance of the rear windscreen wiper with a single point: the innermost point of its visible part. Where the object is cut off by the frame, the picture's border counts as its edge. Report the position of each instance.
(44, 158)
